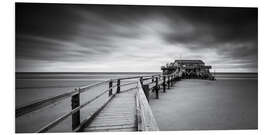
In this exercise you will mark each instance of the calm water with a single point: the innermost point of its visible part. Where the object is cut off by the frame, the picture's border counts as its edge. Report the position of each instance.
(31, 87)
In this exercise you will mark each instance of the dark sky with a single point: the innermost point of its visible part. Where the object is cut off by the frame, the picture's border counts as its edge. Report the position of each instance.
(111, 38)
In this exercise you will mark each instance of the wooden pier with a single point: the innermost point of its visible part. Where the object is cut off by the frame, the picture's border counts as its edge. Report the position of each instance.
(119, 115)
(122, 110)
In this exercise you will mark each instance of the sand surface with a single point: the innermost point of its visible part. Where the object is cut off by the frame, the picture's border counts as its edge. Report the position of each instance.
(208, 105)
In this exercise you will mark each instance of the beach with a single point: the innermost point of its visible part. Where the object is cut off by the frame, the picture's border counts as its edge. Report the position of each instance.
(224, 104)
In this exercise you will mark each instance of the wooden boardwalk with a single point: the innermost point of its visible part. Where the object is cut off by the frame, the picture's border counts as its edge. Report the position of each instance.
(124, 109)
(118, 115)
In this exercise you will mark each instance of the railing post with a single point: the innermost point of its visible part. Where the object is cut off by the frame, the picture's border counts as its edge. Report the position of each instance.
(157, 89)
(118, 86)
(75, 102)
(164, 83)
(110, 87)
(172, 80)
(141, 80)
(152, 79)
(146, 91)
(168, 82)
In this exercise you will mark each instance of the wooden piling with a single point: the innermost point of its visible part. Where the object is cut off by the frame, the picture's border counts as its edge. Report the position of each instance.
(110, 87)
(171, 82)
(157, 88)
(168, 82)
(118, 86)
(75, 102)
(164, 83)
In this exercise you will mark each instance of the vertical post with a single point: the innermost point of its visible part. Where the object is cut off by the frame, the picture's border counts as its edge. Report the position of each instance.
(75, 102)
(146, 91)
(118, 86)
(171, 80)
(110, 87)
(141, 80)
(152, 79)
(164, 83)
(168, 82)
(157, 89)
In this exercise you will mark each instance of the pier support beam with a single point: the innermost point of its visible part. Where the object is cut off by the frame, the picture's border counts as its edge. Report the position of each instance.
(157, 88)
(168, 82)
(164, 84)
(174, 79)
(171, 82)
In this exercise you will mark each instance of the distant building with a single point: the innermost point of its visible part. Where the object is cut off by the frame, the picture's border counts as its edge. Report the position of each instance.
(193, 66)
(189, 68)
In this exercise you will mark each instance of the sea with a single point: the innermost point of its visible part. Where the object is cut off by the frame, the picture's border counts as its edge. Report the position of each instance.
(35, 86)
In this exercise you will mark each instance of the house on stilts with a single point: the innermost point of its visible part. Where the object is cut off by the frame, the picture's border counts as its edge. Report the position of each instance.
(190, 69)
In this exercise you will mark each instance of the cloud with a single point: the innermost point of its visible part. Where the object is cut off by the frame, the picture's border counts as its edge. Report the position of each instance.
(59, 37)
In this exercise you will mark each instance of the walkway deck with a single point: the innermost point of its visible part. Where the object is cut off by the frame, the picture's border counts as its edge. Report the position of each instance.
(118, 115)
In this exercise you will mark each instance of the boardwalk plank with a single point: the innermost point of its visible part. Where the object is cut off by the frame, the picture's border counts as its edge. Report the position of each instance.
(118, 115)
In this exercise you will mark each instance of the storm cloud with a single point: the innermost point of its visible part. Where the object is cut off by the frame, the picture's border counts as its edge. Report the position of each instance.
(118, 38)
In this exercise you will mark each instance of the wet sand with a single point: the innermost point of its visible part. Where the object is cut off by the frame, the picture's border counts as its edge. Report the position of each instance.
(208, 105)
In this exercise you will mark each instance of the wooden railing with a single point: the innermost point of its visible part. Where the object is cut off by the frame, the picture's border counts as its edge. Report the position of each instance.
(145, 119)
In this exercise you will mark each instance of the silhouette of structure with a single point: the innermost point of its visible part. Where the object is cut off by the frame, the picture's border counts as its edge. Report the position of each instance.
(190, 69)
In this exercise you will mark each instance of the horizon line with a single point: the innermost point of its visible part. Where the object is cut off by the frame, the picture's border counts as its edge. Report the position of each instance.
(120, 72)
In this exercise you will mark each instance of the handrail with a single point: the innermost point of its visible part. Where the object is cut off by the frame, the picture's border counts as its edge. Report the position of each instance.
(128, 83)
(145, 118)
(55, 122)
(87, 87)
(45, 102)
(24, 109)
(63, 117)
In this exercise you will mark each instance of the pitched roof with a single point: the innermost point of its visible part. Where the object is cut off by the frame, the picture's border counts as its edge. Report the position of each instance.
(189, 61)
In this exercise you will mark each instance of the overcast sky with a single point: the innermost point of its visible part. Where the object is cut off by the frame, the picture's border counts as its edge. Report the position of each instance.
(106, 38)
